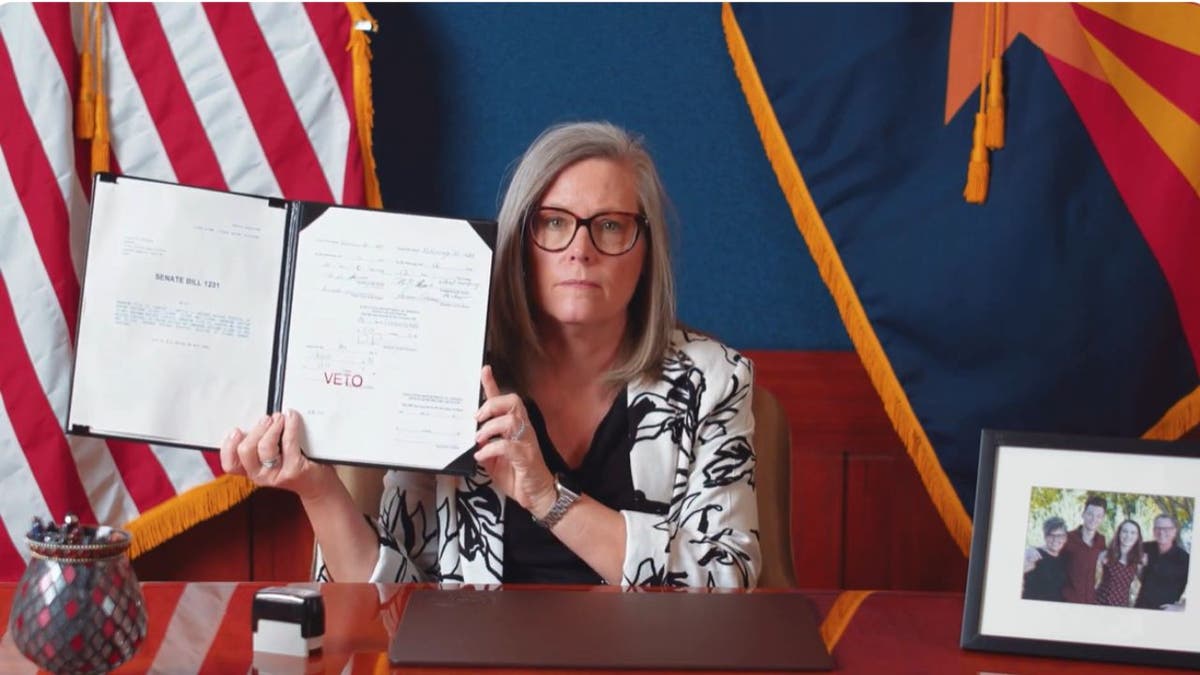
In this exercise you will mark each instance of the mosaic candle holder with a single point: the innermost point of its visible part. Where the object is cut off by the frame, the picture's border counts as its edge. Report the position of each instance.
(78, 607)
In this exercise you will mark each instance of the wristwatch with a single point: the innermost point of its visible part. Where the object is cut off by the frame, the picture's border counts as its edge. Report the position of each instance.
(566, 497)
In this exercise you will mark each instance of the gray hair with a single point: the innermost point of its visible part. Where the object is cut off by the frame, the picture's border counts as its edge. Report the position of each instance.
(1053, 523)
(1165, 516)
(1174, 523)
(512, 336)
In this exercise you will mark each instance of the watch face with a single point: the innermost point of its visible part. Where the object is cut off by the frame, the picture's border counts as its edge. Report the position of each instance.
(568, 482)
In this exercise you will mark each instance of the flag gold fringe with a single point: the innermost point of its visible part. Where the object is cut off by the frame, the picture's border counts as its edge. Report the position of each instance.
(839, 616)
(359, 47)
(181, 512)
(829, 264)
(1180, 419)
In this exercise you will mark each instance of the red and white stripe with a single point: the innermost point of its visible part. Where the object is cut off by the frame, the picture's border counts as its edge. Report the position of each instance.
(193, 627)
(251, 98)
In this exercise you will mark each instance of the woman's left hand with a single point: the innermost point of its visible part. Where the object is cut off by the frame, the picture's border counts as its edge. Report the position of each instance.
(509, 450)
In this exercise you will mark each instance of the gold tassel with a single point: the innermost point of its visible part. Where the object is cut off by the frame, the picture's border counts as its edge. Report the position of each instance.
(359, 47)
(995, 94)
(978, 171)
(85, 107)
(100, 138)
(995, 107)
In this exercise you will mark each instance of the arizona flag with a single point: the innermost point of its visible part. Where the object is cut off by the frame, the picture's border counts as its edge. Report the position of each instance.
(265, 99)
(1069, 300)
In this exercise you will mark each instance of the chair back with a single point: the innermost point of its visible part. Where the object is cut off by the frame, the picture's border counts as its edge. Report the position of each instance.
(773, 446)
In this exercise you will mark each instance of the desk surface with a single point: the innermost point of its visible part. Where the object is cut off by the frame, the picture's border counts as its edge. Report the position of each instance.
(205, 627)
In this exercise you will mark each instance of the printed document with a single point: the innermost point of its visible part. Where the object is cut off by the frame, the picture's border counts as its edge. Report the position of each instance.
(386, 337)
(177, 325)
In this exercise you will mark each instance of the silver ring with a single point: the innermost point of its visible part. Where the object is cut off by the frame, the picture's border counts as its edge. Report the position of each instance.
(270, 463)
(516, 435)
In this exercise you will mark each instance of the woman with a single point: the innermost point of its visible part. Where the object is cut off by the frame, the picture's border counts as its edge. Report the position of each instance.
(626, 439)
(1045, 573)
(1119, 565)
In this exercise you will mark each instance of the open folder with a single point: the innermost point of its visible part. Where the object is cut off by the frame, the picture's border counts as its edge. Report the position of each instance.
(203, 310)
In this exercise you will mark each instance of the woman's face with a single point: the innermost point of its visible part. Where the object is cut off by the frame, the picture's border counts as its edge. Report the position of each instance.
(1055, 541)
(1128, 535)
(579, 285)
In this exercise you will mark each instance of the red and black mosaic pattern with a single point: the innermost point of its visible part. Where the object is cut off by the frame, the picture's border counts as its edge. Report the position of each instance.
(78, 615)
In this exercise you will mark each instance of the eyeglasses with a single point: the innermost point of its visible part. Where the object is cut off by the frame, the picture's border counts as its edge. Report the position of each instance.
(612, 233)
(1057, 535)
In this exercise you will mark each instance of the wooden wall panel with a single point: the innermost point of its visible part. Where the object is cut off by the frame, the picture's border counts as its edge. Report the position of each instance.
(283, 540)
(870, 521)
(849, 465)
(817, 519)
(923, 555)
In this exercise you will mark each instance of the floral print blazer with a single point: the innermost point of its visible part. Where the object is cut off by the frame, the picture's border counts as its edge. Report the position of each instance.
(692, 466)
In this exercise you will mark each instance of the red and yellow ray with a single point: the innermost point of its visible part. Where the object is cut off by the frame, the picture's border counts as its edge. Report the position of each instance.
(1130, 71)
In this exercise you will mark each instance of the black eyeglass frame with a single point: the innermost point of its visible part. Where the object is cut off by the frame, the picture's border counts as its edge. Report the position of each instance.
(643, 223)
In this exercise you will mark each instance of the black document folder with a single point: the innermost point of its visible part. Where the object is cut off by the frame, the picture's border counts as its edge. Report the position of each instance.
(203, 310)
(677, 630)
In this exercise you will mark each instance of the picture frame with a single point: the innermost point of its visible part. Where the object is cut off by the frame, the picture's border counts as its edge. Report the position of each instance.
(1039, 499)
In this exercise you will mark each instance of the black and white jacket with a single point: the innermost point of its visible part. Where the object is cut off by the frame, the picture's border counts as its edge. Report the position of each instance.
(691, 461)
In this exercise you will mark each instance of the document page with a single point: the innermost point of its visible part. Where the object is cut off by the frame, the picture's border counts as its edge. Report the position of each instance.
(178, 315)
(386, 337)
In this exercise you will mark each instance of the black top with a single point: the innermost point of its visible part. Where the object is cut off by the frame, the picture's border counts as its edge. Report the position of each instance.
(531, 553)
(1045, 581)
(1164, 577)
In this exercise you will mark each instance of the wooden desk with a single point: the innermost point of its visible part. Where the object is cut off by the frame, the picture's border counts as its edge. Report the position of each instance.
(205, 627)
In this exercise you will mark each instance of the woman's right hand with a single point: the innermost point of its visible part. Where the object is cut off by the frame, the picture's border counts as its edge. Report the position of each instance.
(269, 454)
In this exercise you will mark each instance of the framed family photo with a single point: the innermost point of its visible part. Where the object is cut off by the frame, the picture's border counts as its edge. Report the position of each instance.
(1082, 548)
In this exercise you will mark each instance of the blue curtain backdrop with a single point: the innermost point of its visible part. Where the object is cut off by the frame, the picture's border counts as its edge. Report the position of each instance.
(460, 90)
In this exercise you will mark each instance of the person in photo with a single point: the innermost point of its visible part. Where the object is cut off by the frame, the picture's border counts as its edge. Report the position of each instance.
(614, 445)
(1165, 575)
(1084, 546)
(1045, 572)
(1119, 565)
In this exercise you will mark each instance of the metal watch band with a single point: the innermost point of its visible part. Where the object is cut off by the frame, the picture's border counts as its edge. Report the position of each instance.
(565, 499)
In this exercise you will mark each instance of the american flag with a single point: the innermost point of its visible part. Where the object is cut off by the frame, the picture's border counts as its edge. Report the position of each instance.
(244, 97)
